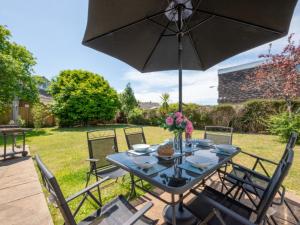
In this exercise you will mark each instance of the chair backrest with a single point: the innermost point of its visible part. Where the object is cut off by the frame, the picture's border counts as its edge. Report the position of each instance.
(290, 144)
(219, 134)
(274, 185)
(55, 193)
(100, 144)
(134, 135)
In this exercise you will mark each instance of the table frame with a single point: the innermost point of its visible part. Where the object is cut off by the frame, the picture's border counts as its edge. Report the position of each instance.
(180, 191)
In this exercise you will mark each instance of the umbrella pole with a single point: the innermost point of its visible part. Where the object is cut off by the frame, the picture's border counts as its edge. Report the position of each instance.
(180, 48)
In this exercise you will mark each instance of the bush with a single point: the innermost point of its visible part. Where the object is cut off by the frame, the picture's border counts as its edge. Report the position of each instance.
(222, 115)
(253, 115)
(282, 125)
(40, 113)
(136, 116)
(81, 96)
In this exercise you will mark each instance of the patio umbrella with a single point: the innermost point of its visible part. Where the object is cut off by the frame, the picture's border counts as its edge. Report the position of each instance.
(156, 35)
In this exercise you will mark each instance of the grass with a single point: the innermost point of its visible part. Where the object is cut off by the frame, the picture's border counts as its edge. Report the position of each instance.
(64, 152)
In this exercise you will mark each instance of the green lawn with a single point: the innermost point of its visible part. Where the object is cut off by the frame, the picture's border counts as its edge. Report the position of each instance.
(64, 151)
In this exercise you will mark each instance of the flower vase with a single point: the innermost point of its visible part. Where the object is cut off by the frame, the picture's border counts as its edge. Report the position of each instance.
(176, 143)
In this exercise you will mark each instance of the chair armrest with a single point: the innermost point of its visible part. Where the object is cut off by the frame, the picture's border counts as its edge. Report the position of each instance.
(92, 160)
(242, 181)
(138, 214)
(260, 158)
(72, 197)
(223, 209)
(252, 172)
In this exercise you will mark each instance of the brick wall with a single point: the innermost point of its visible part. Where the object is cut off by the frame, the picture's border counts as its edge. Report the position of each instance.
(231, 83)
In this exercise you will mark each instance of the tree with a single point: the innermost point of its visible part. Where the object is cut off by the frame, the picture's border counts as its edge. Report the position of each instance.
(16, 68)
(278, 75)
(128, 100)
(82, 96)
(165, 97)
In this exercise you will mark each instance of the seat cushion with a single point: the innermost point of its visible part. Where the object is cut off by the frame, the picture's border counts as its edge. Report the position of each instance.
(116, 212)
(201, 208)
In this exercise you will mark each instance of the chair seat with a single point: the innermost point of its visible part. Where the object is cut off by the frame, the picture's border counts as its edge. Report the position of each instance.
(254, 179)
(201, 208)
(116, 212)
(111, 172)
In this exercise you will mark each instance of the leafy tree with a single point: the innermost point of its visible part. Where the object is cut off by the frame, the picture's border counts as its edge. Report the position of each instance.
(165, 97)
(81, 96)
(16, 67)
(278, 75)
(128, 100)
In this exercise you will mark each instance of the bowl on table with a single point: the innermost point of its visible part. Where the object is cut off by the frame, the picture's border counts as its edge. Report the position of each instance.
(199, 161)
(145, 162)
(140, 147)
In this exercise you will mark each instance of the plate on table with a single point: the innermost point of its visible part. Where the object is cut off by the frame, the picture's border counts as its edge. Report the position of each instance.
(225, 148)
(199, 161)
(145, 162)
(140, 147)
(202, 142)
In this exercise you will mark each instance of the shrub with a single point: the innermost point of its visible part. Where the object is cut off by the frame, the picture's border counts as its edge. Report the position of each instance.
(81, 96)
(40, 113)
(253, 116)
(222, 115)
(136, 116)
(282, 125)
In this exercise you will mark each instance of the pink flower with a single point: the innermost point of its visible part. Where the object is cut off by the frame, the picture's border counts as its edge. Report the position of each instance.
(189, 128)
(178, 114)
(179, 120)
(169, 120)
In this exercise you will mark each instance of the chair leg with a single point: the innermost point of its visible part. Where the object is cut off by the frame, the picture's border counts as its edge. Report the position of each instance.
(88, 177)
(98, 189)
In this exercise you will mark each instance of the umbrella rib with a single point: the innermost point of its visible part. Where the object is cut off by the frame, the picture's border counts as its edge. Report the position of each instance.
(127, 25)
(239, 21)
(193, 43)
(198, 24)
(166, 27)
(156, 44)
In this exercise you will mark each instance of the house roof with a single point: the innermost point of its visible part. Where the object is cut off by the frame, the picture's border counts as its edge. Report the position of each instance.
(240, 67)
(149, 105)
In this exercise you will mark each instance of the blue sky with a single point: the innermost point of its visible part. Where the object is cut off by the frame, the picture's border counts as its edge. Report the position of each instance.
(53, 30)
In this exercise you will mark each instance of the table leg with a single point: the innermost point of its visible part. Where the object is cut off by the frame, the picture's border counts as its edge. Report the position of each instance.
(4, 147)
(177, 214)
(132, 189)
(173, 210)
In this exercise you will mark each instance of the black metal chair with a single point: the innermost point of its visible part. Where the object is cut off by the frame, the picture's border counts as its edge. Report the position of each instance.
(100, 144)
(118, 211)
(259, 179)
(215, 208)
(219, 134)
(134, 135)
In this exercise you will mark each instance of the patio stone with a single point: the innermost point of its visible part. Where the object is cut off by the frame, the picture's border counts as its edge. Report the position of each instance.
(22, 201)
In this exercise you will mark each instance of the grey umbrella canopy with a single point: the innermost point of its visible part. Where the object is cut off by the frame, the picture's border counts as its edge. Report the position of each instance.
(144, 33)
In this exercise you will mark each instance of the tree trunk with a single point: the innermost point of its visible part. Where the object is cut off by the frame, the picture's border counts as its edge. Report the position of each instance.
(289, 106)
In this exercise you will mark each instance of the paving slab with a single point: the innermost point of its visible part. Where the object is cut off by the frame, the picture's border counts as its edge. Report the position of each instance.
(22, 201)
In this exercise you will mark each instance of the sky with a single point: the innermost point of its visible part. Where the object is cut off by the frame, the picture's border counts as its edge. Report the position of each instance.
(53, 30)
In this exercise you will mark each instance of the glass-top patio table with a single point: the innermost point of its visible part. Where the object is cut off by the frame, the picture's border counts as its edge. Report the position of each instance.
(175, 176)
